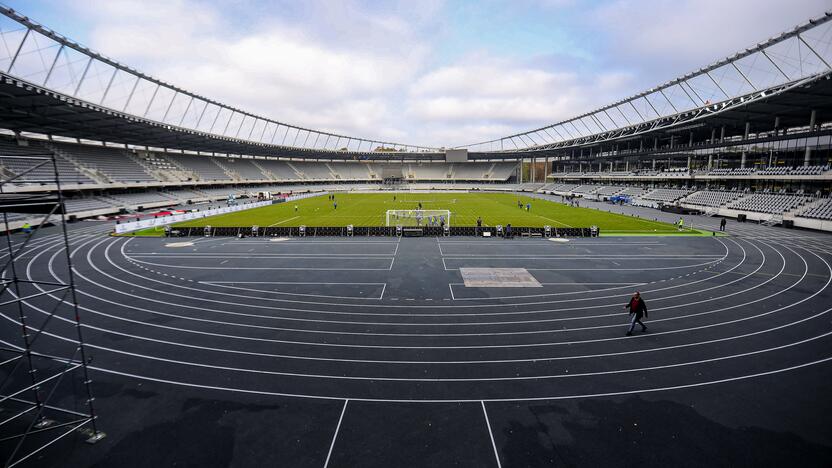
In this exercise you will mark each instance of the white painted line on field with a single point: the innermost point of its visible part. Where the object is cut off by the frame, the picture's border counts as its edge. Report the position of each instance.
(335, 435)
(284, 221)
(491, 434)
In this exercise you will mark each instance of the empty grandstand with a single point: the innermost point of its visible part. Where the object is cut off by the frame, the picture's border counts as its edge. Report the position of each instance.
(769, 203)
(820, 210)
(665, 195)
(712, 198)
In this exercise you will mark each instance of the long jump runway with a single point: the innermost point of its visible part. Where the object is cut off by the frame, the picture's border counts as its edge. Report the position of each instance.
(388, 352)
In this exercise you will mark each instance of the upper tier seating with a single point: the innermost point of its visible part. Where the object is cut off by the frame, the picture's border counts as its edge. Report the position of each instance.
(312, 170)
(43, 174)
(279, 169)
(113, 163)
(203, 167)
(675, 172)
(424, 171)
(712, 198)
(809, 170)
(140, 198)
(470, 171)
(77, 205)
(352, 171)
(245, 168)
(783, 170)
(731, 172)
(502, 171)
(769, 203)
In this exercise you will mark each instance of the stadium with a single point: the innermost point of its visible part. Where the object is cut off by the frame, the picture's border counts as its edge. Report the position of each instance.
(189, 283)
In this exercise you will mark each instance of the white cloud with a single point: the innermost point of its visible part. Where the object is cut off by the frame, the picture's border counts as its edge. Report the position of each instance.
(493, 94)
(376, 71)
(667, 38)
(274, 69)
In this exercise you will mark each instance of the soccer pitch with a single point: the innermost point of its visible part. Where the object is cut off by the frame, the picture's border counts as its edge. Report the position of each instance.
(369, 209)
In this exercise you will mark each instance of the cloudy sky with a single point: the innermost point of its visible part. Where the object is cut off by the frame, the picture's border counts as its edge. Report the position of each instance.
(430, 72)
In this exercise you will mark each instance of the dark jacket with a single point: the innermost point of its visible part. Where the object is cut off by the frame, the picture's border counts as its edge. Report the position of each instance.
(640, 309)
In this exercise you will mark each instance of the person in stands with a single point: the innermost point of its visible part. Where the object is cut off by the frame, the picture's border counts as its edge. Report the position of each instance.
(638, 309)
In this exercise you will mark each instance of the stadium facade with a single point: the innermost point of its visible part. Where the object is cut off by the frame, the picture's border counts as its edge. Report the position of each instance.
(748, 135)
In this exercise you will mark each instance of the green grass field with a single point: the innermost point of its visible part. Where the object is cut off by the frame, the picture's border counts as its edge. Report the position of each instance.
(494, 208)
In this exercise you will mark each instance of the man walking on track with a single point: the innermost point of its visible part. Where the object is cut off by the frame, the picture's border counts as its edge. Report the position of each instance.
(637, 309)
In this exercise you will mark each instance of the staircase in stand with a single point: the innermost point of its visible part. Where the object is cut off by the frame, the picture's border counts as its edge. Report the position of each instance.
(234, 175)
(266, 173)
(298, 172)
(92, 173)
(332, 171)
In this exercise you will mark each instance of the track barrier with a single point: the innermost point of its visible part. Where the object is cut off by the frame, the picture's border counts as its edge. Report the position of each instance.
(387, 231)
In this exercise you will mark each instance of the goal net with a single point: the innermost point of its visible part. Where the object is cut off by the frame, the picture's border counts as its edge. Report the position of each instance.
(418, 217)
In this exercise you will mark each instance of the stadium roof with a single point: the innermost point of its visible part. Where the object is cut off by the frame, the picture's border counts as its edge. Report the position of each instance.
(52, 85)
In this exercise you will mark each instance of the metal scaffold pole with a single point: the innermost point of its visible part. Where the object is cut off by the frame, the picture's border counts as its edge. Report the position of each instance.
(39, 396)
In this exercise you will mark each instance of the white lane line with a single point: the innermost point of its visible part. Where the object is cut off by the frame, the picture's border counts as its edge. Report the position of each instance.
(381, 378)
(608, 339)
(335, 435)
(744, 256)
(244, 256)
(553, 220)
(230, 285)
(528, 296)
(189, 267)
(28, 269)
(491, 435)
(606, 326)
(451, 400)
(106, 253)
(284, 221)
(576, 257)
(200, 291)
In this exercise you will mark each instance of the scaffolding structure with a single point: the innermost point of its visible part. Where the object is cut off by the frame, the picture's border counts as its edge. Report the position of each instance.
(45, 388)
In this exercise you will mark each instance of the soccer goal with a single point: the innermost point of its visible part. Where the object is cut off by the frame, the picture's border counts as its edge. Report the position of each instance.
(418, 217)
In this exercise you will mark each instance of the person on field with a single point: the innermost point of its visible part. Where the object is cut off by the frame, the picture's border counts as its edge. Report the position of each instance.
(335, 205)
(681, 224)
(638, 309)
(27, 228)
(722, 224)
(528, 206)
